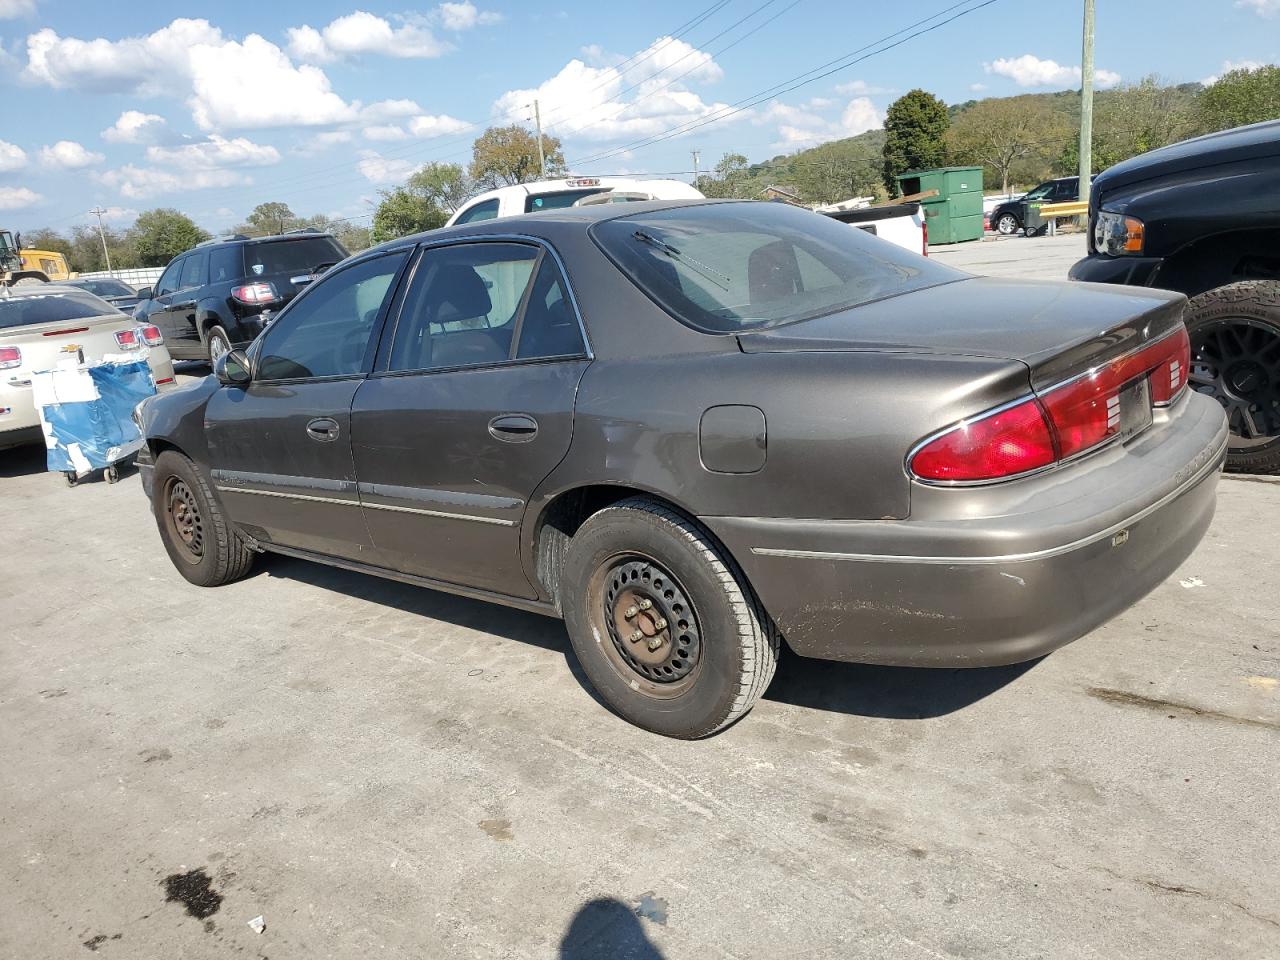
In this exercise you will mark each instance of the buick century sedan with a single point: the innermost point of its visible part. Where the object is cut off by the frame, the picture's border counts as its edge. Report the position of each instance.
(694, 430)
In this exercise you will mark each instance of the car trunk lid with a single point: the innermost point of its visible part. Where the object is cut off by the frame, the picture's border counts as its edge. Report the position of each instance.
(1057, 329)
(44, 344)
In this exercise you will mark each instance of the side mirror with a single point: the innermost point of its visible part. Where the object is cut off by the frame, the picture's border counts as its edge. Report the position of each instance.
(232, 369)
(144, 293)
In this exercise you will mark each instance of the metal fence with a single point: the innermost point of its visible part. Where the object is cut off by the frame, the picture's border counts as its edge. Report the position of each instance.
(137, 277)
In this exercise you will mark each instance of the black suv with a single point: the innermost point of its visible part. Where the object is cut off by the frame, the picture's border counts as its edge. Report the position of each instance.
(1011, 216)
(221, 293)
(1202, 217)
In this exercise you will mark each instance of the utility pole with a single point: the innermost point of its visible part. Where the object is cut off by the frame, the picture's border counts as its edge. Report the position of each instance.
(542, 159)
(98, 212)
(1086, 102)
(697, 156)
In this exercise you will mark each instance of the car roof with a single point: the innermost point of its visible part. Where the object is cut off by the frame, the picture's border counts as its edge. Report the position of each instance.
(27, 290)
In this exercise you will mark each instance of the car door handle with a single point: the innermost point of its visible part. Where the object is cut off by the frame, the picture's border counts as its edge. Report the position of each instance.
(324, 429)
(513, 428)
(185, 305)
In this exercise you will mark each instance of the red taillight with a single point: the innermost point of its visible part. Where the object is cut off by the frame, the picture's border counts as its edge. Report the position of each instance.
(127, 339)
(1002, 444)
(150, 334)
(254, 293)
(10, 357)
(1061, 422)
(924, 232)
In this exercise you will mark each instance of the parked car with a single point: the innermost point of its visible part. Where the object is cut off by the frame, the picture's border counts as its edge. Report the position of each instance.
(692, 429)
(901, 224)
(1012, 216)
(38, 323)
(1203, 218)
(116, 292)
(555, 194)
(223, 292)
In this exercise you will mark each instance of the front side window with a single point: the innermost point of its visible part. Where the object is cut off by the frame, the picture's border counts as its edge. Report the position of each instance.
(461, 308)
(326, 332)
(168, 281)
(728, 267)
(1040, 192)
(193, 271)
(481, 211)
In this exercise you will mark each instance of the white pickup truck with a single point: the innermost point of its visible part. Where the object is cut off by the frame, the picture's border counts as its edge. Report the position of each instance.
(900, 223)
(554, 194)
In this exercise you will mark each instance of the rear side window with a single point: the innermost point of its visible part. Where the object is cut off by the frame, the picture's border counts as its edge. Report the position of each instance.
(194, 271)
(305, 255)
(558, 200)
(226, 263)
(727, 267)
(23, 311)
(481, 211)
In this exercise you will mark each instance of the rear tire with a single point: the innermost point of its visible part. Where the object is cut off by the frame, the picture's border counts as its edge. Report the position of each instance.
(217, 342)
(200, 541)
(1235, 358)
(703, 651)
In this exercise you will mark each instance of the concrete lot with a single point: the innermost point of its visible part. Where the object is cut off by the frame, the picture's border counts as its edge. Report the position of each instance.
(379, 770)
(1032, 258)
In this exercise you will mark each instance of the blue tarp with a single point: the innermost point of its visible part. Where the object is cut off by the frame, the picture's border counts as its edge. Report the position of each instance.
(88, 424)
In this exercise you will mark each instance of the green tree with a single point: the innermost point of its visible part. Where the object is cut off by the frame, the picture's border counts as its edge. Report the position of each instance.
(915, 126)
(504, 156)
(86, 249)
(444, 184)
(728, 179)
(999, 132)
(403, 212)
(1240, 97)
(160, 235)
(271, 218)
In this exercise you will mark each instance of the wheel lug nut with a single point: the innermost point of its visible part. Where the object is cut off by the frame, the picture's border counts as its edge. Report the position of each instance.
(660, 624)
(631, 611)
(654, 643)
(636, 637)
(646, 604)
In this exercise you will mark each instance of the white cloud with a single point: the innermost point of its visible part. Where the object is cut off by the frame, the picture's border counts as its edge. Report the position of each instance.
(12, 157)
(977, 87)
(138, 183)
(860, 88)
(1031, 71)
(379, 169)
(363, 33)
(12, 9)
(119, 216)
(253, 84)
(389, 110)
(464, 16)
(134, 126)
(583, 101)
(69, 155)
(213, 153)
(800, 127)
(232, 84)
(1263, 8)
(16, 198)
(327, 139)
(385, 131)
(1229, 65)
(428, 125)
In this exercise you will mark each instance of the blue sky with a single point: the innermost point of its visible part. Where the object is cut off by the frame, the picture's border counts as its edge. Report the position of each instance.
(323, 104)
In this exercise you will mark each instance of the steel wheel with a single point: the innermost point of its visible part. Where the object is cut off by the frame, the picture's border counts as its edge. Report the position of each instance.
(1237, 362)
(655, 638)
(183, 521)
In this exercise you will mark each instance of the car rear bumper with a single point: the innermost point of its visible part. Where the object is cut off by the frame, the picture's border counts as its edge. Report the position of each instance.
(1127, 271)
(991, 591)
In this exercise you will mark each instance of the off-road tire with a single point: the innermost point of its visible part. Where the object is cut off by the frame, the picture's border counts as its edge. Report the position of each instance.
(216, 332)
(739, 643)
(1256, 300)
(224, 557)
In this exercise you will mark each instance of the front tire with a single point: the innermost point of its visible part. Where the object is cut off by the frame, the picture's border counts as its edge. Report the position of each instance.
(200, 541)
(664, 624)
(1007, 225)
(1235, 358)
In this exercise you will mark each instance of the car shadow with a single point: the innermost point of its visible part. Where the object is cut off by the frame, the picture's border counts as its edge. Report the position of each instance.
(904, 693)
(22, 461)
(608, 928)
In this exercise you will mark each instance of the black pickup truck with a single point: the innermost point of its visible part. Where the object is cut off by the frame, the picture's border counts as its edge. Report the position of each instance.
(1203, 218)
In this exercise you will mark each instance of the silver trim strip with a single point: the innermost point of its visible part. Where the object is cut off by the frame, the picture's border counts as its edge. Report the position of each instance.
(373, 506)
(1213, 464)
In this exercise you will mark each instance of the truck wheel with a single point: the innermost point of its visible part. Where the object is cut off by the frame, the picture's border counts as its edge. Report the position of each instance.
(1235, 358)
(664, 624)
(200, 541)
(218, 342)
(1007, 225)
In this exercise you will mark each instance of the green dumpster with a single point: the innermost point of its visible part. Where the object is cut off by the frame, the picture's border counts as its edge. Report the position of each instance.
(955, 214)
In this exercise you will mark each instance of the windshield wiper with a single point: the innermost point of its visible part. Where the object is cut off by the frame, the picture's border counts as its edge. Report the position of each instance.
(719, 279)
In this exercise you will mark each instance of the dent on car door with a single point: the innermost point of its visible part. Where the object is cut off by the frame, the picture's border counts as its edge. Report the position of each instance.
(470, 409)
(280, 448)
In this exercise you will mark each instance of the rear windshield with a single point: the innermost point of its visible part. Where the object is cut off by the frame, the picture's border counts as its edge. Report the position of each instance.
(558, 200)
(727, 267)
(28, 309)
(303, 255)
(106, 288)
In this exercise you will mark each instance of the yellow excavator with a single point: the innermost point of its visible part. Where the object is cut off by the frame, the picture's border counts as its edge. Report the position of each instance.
(29, 266)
